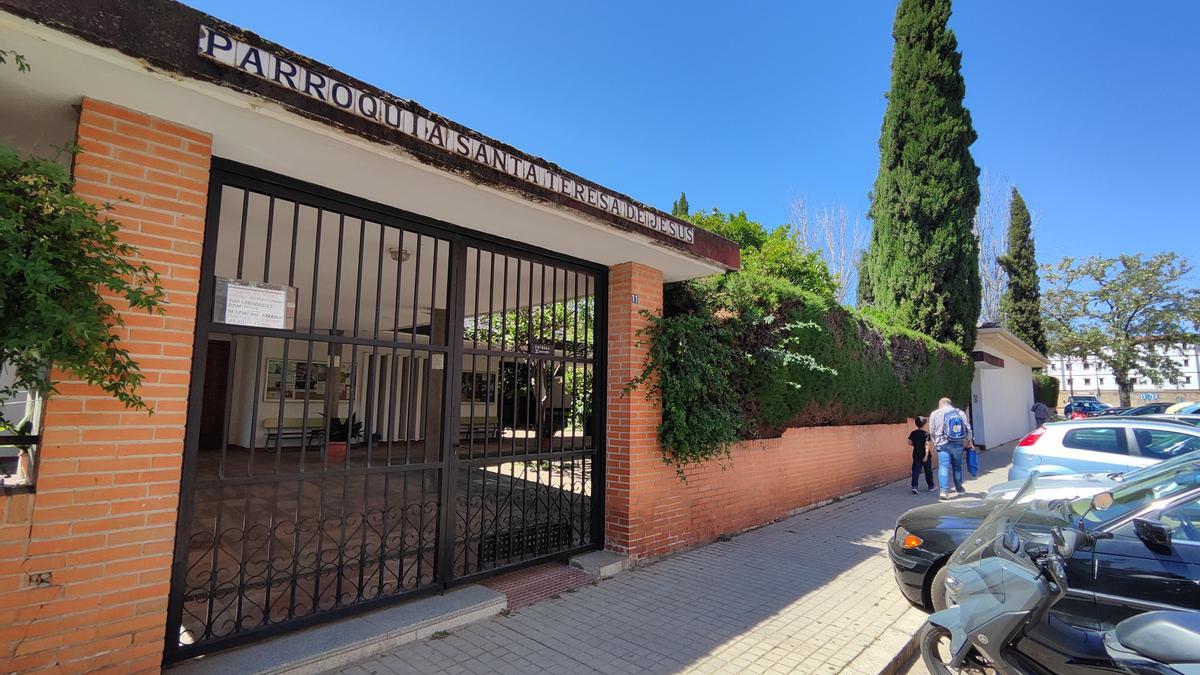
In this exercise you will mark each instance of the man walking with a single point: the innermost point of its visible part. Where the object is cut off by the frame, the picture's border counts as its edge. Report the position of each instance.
(949, 434)
(1041, 413)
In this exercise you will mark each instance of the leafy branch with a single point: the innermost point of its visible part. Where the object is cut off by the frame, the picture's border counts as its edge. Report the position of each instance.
(64, 271)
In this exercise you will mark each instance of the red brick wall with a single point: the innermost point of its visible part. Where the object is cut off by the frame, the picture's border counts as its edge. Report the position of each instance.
(763, 481)
(102, 521)
(650, 512)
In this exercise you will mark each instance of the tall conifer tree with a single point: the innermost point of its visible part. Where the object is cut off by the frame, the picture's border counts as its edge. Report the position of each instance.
(679, 208)
(922, 264)
(1021, 305)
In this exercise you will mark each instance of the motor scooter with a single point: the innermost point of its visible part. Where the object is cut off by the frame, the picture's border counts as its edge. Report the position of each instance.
(1004, 580)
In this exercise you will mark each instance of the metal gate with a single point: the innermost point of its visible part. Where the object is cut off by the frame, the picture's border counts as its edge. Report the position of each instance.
(381, 406)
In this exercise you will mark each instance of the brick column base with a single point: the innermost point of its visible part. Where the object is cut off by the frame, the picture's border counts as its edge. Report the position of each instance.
(632, 439)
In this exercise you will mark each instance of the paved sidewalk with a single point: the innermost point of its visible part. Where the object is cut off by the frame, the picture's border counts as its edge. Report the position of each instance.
(813, 594)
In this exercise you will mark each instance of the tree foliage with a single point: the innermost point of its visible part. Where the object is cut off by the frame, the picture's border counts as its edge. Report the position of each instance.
(566, 327)
(1125, 312)
(18, 59)
(61, 264)
(779, 252)
(921, 268)
(1045, 389)
(1022, 302)
(679, 208)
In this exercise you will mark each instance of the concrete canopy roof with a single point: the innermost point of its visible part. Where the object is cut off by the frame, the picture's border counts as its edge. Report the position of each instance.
(142, 54)
(998, 340)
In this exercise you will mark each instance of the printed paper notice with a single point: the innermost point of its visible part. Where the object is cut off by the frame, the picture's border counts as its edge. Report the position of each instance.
(242, 303)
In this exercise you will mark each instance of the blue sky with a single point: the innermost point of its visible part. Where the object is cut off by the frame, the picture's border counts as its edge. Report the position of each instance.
(1089, 108)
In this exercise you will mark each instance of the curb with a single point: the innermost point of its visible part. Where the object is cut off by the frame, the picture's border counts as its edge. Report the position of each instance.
(903, 658)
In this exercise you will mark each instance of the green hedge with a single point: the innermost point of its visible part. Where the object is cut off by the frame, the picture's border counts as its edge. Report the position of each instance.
(1045, 389)
(884, 373)
(747, 355)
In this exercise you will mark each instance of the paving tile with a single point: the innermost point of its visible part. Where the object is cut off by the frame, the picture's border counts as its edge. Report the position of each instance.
(813, 593)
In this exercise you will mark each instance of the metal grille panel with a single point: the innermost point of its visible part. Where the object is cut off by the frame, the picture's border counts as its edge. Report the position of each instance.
(432, 416)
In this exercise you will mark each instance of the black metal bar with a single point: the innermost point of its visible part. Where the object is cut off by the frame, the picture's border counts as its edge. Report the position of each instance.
(456, 277)
(242, 237)
(394, 398)
(308, 359)
(516, 328)
(264, 479)
(270, 231)
(412, 359)
(599, 313)
(255, 331)
(191, 444)
(531, 457)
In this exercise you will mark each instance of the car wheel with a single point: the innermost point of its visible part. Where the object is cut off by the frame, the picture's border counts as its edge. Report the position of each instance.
(937, 589)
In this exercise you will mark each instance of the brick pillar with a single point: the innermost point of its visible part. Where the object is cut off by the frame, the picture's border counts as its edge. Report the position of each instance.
(632, 439)
(102, 521)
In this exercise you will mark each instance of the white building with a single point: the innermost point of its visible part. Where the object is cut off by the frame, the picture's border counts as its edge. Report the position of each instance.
(1080, 376)
(1002, 388)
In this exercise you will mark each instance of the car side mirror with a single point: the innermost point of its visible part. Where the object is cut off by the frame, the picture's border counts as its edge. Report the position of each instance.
(1152, 532)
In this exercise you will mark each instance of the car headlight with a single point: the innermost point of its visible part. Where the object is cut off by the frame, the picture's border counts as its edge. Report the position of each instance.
(907, 540)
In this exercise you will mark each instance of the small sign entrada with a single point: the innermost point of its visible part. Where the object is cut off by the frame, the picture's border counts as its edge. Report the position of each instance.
(247, 303)
(234, 53)
(540, 350)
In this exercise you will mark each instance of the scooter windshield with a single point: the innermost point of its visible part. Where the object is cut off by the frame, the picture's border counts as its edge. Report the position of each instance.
(991, 575)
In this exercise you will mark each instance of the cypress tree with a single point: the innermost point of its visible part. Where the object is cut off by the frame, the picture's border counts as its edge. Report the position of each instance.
(1021, 305)
(922, 264)
(679, 208)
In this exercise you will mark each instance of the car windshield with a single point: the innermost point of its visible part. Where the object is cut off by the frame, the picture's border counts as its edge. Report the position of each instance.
(1143, 487)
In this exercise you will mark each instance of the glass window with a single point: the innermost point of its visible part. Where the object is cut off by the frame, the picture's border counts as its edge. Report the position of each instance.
(1105, 439)
(1163, 444)
(1184, 520)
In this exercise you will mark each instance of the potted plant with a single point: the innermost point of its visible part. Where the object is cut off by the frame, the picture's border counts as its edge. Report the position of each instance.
(342, 432)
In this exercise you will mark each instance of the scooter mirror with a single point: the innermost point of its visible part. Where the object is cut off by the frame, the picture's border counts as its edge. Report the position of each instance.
(1102, 501)
(1069, 542)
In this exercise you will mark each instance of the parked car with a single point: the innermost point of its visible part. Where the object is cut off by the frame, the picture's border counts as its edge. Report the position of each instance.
(1120, 577)
(1101, 445)
(1089, 408)
(1116, 410)
(1176, 407)
(1147, 409)
(1193, 419)
(1075, 398)
(1189, 409)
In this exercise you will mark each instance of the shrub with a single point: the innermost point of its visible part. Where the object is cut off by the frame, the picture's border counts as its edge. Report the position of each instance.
(1045, 389)
(746, 355)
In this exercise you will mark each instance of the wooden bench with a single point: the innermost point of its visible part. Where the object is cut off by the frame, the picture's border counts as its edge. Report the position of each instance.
(480, 427)
(309, 432)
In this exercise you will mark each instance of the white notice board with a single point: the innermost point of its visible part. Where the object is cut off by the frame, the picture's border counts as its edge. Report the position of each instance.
(248, 303)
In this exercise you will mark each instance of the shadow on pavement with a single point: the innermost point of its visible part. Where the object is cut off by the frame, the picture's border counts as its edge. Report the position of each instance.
(809, 593)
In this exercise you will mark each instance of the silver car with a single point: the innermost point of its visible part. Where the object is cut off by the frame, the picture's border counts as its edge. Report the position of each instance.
(1101, 446)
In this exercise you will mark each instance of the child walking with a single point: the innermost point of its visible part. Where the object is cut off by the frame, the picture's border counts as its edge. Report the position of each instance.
(921, 456)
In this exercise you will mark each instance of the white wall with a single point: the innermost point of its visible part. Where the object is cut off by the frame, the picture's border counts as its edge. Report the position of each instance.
(1005, 397)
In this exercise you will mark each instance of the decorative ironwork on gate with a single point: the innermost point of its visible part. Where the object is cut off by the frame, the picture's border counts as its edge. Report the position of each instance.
(426, 414)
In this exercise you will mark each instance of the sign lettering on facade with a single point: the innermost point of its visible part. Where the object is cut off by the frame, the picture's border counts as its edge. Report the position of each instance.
(263, 64)
(246, 303)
